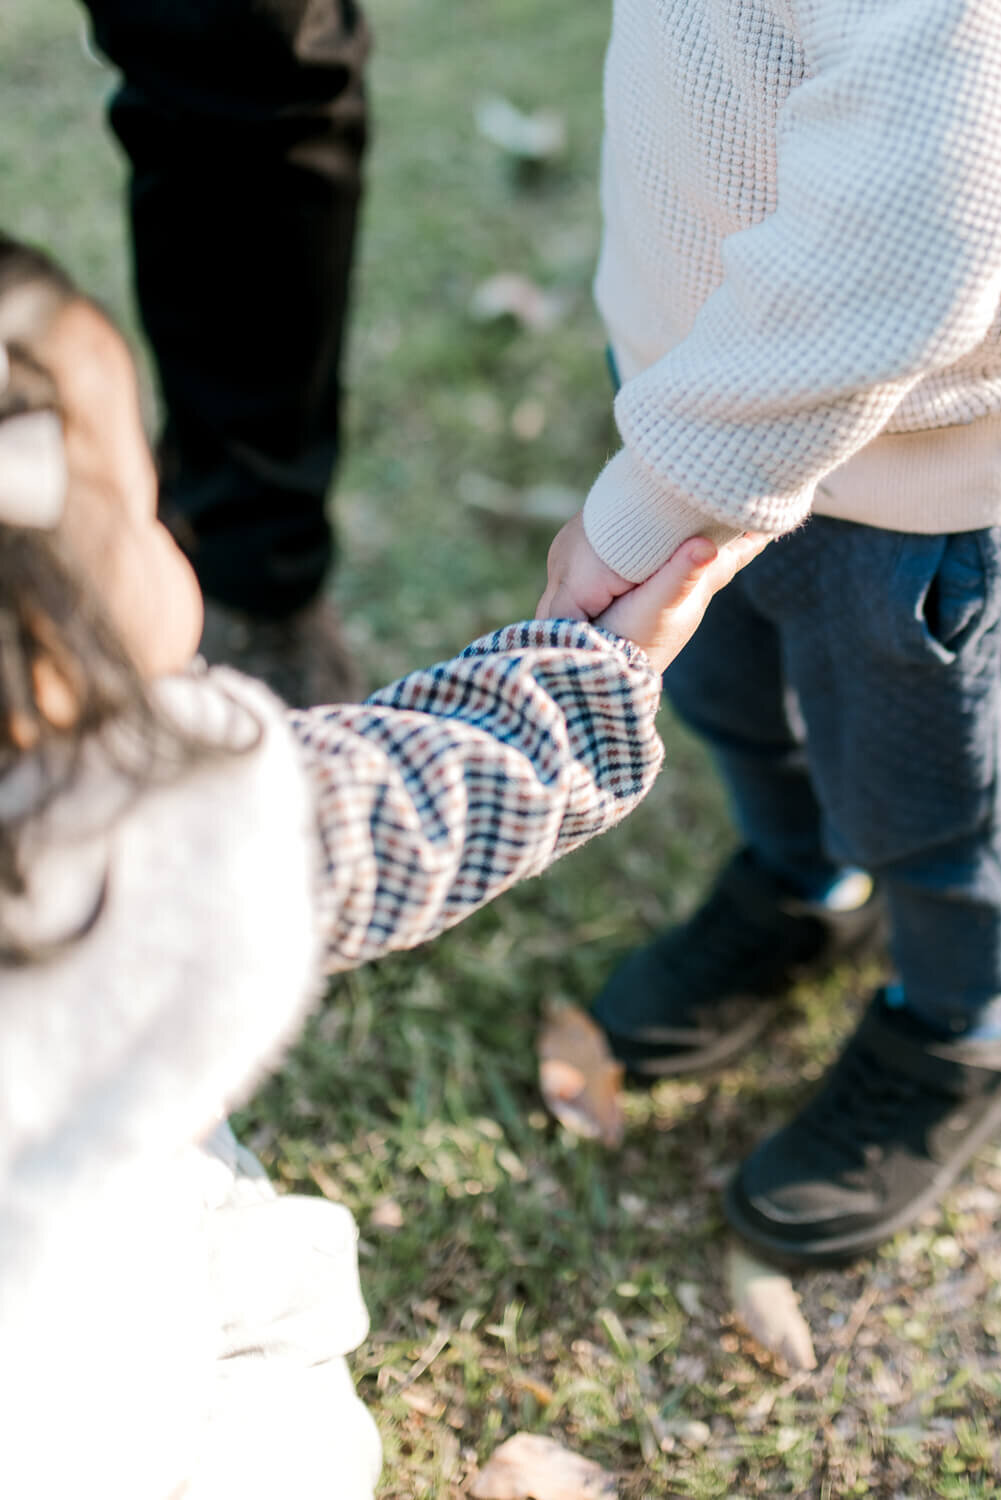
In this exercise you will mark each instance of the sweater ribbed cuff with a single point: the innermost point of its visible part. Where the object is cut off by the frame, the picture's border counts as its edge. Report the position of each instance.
(635, 524)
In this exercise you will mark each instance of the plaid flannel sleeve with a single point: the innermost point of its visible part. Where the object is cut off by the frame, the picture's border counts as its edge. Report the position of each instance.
(445, 788)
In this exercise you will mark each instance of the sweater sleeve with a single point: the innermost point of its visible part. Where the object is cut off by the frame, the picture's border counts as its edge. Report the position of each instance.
(449, 786)
(879, 265)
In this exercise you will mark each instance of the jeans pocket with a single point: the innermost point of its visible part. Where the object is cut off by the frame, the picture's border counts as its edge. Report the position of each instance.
(956, 599)
(950, 587)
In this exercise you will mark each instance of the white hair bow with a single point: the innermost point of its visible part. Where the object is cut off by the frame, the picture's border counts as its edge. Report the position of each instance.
(32, 464)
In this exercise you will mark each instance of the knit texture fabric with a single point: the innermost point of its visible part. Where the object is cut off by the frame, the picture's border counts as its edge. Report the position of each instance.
(802, 249)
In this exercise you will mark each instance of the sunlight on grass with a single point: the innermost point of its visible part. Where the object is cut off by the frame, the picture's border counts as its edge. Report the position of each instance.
(518, 1279)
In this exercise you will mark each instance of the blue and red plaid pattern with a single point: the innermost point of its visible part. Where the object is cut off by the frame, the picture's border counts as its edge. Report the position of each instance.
(445, 788)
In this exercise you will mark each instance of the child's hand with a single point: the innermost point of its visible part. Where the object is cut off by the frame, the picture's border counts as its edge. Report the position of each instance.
(580, 585)
(663, 613)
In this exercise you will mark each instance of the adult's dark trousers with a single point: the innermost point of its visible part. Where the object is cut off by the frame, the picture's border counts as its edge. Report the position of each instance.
(849, 684)
(244, 121)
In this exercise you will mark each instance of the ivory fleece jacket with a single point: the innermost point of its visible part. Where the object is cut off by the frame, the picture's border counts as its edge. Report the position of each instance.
(168, 1325)
(801, 268)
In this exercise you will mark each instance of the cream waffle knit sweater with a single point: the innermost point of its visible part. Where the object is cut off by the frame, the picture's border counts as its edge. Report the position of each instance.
(801, 268)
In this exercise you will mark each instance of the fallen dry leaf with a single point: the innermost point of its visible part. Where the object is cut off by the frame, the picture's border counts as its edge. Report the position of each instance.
(386, 1214)
(689, 1296)
(547, 504)
(578, 1076)
(690, 1431)
(509, 294)
(537, 1388)
(528, 419)
(423, 1402)
(529, 137)
(529, 1467)
(767, 1307)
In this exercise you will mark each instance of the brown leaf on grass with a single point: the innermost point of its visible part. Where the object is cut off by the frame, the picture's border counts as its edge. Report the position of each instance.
(529, 137)
(530, 1467)
(578, 1076)
(509, 294)
(423, 1403)
(547, 504)
(542, 1393)
(767, 1307)
(386, 1214)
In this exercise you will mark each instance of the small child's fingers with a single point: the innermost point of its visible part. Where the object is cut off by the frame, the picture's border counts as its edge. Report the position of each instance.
(690, 563)
(637, 614)
(699, 564)
(557, 603)
(685, 571)
(661, 614)
(729, 560)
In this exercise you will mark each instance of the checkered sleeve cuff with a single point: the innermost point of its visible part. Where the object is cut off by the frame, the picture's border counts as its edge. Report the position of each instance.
(450, 785)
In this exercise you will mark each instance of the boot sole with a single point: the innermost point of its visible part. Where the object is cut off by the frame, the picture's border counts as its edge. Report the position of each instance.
(729, 1049)
(838, 1250)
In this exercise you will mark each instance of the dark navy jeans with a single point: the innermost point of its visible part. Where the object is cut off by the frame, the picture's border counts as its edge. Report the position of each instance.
(848, 683)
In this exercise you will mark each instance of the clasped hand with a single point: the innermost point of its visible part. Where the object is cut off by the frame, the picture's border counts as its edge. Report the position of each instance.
(660, 614)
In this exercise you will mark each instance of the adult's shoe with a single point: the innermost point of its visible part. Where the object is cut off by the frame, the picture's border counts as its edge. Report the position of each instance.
(702, 993)
(303, 657)
(894, 1121)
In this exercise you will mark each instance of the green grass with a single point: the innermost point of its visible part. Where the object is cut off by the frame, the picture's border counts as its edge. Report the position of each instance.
(534, 1282)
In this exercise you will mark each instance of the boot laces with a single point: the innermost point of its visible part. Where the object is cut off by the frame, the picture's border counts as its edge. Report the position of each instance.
(864, 1104)
(721, 941)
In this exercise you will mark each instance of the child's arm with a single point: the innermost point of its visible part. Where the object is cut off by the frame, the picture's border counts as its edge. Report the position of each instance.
(445, 788)
(448, 786)
(879, 266)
